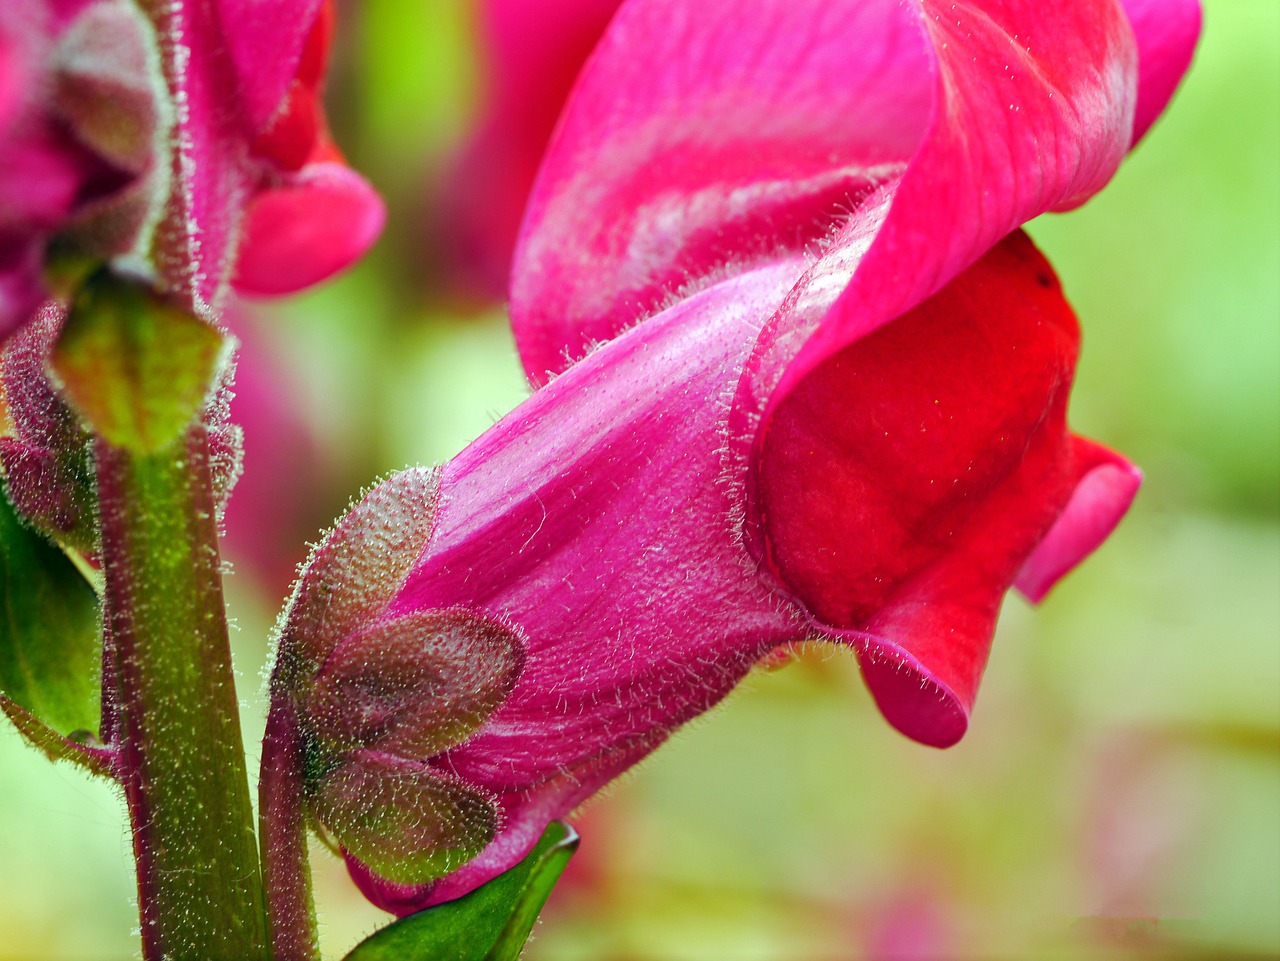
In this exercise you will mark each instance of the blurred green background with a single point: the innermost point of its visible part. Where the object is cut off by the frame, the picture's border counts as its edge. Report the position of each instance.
(1118, 795)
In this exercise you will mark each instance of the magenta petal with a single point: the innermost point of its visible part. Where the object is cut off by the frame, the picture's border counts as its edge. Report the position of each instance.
(1166, 31)
(701, 139)
(214, 177)
(265, 40)
(1107, 485)
(307, 229)
(1062, 103)
(912, 698)
(41, 168)
(595, 520)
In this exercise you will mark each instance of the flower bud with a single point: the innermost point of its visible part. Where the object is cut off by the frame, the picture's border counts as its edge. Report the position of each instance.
(46, 464)
(137, 367)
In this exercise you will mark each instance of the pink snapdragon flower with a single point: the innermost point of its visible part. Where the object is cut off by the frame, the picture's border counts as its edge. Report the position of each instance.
(801, 378)
(193, 141)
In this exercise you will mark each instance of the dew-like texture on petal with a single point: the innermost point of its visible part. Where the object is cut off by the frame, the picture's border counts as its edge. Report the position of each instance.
(532, 54)
(702, 139)
(306, 229)
(1166, 31)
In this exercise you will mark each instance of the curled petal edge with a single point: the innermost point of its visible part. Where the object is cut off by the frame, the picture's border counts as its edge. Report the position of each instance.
(1166, 32)
(1100, 500)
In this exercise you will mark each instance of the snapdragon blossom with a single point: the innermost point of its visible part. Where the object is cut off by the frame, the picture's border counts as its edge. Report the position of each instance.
(800, 377)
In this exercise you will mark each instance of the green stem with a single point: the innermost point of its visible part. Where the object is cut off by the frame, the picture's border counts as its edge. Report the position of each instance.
(291, 915)
(199, 886)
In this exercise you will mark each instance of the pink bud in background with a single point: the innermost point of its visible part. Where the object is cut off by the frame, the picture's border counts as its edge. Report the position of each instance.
(194, 141)
(311, 215)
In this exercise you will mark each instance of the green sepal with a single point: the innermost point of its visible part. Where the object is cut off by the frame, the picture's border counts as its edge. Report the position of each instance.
(137, 368)
(491, 923)
(50, 637)
(410, 824)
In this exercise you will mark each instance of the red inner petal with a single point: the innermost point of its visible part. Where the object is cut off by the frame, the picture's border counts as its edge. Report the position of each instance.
(872, 467)
(315, 53)
(904, 481)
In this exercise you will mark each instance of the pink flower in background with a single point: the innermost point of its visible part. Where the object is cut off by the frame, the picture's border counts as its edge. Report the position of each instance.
(532, 55)
(284, 492)
(267, 200)
(801, 377)
(311, 215)
(75, 130)
(209, 116)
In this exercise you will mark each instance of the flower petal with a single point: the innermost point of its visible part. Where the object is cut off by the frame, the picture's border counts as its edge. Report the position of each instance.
(627, 635)
(308, 228)
(1105, 488)
(1166, 31)
(701, 140)
(902, 484)
(265, 39)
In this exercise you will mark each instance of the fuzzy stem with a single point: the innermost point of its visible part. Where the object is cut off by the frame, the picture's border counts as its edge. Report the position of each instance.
(199, 885)
(291, 916)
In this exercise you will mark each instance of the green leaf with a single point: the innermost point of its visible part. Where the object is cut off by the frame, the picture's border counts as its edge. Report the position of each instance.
(136, 367)
(50, 631)
(491, 923)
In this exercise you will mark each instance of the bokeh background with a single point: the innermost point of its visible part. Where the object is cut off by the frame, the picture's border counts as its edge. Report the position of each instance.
(1118, 794)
